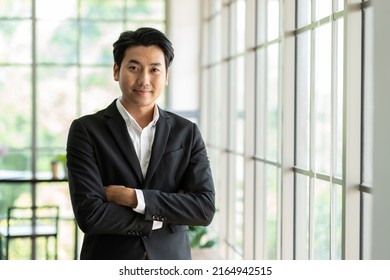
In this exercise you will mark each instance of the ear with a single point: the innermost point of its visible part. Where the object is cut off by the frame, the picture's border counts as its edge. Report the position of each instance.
(166, 77)
(116, 71)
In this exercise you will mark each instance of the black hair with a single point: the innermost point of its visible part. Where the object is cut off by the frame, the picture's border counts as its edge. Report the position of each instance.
(144, 36)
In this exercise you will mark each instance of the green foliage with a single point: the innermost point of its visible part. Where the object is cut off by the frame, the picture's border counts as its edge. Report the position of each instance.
(197, 235)
(61, 158)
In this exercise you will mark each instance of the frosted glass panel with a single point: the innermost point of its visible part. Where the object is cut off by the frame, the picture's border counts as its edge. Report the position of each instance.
(15, 41)
(321, 231)
(323, 99)
(272, 117)
(303, 12)
(323, 8)
(303, 101)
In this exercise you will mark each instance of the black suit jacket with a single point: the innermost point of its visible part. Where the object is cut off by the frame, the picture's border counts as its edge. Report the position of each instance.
(100, 153)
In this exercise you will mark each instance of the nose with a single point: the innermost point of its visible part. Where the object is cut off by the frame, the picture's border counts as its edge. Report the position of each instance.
(143, 79)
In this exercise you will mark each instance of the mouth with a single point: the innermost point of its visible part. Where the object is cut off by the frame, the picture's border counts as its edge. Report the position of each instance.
(142, 91)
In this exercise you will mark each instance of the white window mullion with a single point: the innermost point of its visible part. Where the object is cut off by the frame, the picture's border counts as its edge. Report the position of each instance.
(287, 83)
(332, 151)
(312, 135)
(351, 145)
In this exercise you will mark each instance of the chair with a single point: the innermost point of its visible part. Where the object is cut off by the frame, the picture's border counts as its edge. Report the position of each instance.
(31, 222)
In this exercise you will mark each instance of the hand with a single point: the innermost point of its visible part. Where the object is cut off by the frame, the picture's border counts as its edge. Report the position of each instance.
(121, 195)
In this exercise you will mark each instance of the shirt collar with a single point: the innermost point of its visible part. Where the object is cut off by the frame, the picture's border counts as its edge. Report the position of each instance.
(129, 118)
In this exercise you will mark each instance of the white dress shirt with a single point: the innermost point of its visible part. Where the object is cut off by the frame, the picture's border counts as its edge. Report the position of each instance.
(143, 141)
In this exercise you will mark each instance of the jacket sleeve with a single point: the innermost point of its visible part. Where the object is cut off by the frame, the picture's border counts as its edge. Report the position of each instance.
(196, 204)
(93, 213)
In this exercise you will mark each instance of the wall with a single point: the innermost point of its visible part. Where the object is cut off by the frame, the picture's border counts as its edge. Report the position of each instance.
(183, 29)
(381, 197)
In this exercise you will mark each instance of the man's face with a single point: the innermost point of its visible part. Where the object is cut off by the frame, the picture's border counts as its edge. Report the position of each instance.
(142, 76)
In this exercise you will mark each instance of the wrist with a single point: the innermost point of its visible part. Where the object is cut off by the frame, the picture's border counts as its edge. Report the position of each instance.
(132, 197)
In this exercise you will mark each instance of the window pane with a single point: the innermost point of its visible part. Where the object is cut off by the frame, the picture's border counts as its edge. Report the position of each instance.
(323, 8)
(304, 13)
(273, 19)
(97, 40)
(271, 175)
(69, 34)
(217, 165)
(102, 10)
(237, 104)
(205, 103)
(321, 220)
(260, 102)
(215, 112)
(236, 203)
(15, 41)
(145, 9)
(215, 38)
(260, 211)
(339, 5)
(273, 102)
(323, 119)
(58, 194)
(63, 9)
(367, 225)
(57, 42)
(261, 21)
(135, 25)
(55, 194)
(15, 8)
(237, 22)
(337, 210)
(239, 203)
(15, 163)
(302, 211)
(13, 194)
(303, 101)
(57, 89)
(15, 107)
(225, 110)
(215, 6)
(97, 84)
(272, 129)
(45, 157)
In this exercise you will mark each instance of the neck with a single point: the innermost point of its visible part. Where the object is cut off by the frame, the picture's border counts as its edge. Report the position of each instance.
(144, 118)
(143, 115)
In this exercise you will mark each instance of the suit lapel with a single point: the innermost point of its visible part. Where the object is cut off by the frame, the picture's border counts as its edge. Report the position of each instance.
(160, 141)
(117, 126)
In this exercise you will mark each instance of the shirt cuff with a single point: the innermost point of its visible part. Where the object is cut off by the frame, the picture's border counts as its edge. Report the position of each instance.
(141, 208)
(141, 202)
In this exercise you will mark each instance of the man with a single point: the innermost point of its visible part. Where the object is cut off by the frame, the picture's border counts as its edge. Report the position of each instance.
(138, 175)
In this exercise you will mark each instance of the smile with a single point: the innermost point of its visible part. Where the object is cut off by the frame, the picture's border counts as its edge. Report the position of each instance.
(142, 92)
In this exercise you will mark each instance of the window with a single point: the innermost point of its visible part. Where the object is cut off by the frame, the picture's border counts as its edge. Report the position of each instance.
(292, 157)
(319, 130)
(54, 68)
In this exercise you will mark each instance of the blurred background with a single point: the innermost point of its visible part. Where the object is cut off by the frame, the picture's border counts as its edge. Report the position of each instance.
(283, 92)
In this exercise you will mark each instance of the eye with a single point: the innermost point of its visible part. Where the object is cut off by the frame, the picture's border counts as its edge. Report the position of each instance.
(156, 70)
(133, 68)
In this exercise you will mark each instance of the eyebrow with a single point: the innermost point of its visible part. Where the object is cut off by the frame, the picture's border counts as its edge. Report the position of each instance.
(133, 61)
